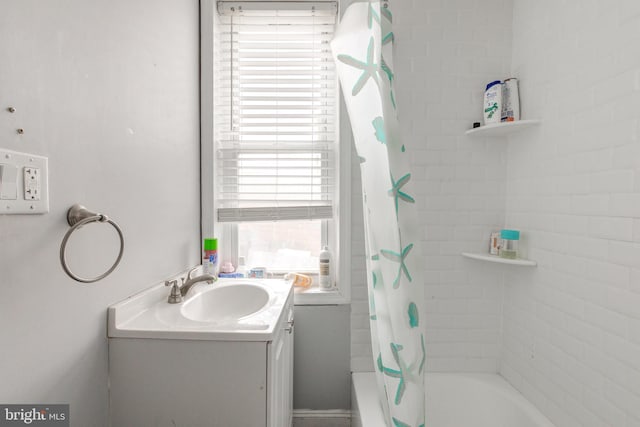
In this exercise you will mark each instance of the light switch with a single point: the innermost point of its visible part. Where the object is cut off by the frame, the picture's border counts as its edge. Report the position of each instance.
(24, 183)
(8, 182)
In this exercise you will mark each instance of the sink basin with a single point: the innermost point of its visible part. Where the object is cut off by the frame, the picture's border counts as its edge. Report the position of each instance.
(219, 303)
(228, 310)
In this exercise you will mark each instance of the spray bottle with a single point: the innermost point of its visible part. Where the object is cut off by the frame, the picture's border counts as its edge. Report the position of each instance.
(210, 258)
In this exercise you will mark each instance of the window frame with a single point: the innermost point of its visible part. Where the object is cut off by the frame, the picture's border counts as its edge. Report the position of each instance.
(341, 247)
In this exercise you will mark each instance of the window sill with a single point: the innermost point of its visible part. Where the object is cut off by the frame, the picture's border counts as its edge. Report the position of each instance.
(313, 295)
(317, 296)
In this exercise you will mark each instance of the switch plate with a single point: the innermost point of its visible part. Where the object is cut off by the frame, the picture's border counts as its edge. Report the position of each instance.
(30, 183)
(8, 182)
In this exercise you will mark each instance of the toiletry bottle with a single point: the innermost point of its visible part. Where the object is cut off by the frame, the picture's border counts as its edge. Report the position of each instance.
(510, 100)
(493, 103)
(210, 258)
(324, 278)
(509, 245)
(494, 243)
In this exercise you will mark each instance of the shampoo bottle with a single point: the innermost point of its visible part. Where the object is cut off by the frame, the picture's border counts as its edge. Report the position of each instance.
(324, 278)
(493, 103)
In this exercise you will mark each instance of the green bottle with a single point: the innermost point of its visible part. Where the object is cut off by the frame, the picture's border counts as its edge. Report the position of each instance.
(210, 257)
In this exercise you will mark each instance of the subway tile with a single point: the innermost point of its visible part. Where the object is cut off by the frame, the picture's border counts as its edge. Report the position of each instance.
(611, 228)
(570, 186)
(624, 253)
(622, 399)
(608, 320)
(625, 205)
(619, 181)
(615, 87)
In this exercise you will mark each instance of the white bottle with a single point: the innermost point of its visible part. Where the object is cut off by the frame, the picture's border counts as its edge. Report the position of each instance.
(324, 278)
(493, 103)
(510, 100)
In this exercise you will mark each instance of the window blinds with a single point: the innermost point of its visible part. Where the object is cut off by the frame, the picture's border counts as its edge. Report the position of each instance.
(276, 111)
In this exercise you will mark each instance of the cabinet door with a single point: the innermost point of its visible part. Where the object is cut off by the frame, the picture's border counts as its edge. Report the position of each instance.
(280, 374)
(168, 383)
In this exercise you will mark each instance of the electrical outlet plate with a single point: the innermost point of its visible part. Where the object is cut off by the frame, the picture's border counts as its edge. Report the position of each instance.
(32, 182)
(32, 187)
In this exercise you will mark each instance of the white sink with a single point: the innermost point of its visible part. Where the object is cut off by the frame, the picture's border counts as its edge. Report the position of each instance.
(229, 309)
(226, 302)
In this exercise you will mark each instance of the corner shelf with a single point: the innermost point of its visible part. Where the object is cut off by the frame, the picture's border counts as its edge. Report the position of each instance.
(502, 129)
(494, 258)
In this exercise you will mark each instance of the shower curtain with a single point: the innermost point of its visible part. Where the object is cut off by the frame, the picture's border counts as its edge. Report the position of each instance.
(362, 48)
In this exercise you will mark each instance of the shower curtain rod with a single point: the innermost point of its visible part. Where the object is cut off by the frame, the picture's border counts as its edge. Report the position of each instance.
(225, 7)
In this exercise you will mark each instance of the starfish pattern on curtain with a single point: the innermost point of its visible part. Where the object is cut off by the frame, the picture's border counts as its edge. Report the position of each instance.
(362, 48)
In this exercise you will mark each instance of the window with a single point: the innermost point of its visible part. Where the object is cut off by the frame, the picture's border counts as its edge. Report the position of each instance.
(271, 159)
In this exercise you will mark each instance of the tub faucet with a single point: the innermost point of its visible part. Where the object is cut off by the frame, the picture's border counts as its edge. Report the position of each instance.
(178, 292)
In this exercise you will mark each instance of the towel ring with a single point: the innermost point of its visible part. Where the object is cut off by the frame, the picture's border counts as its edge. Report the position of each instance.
(77, 216)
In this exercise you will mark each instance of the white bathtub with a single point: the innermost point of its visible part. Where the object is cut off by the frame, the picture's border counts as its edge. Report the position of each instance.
(453, 400)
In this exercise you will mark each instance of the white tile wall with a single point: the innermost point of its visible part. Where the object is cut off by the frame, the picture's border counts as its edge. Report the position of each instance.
(571, 326)
(446, 53)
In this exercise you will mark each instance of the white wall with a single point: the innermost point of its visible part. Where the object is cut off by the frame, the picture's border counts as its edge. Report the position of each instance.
(446, 53)
(109, 91)
(571, 326)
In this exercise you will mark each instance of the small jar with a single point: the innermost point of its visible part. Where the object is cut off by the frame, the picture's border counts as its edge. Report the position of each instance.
(509, 246)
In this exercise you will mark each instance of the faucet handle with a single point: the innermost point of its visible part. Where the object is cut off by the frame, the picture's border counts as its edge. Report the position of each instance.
(170, 282)
(175, 296)
(193, 270)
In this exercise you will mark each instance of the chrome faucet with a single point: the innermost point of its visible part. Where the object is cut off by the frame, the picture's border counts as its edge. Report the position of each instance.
(188, 284)
(178, 292)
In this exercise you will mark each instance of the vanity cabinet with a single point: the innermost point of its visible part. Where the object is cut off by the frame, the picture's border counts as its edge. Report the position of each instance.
(158, 382)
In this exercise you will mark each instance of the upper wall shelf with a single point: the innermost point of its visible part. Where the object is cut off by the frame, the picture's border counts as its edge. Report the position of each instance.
(494, 258)
(502, 129)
